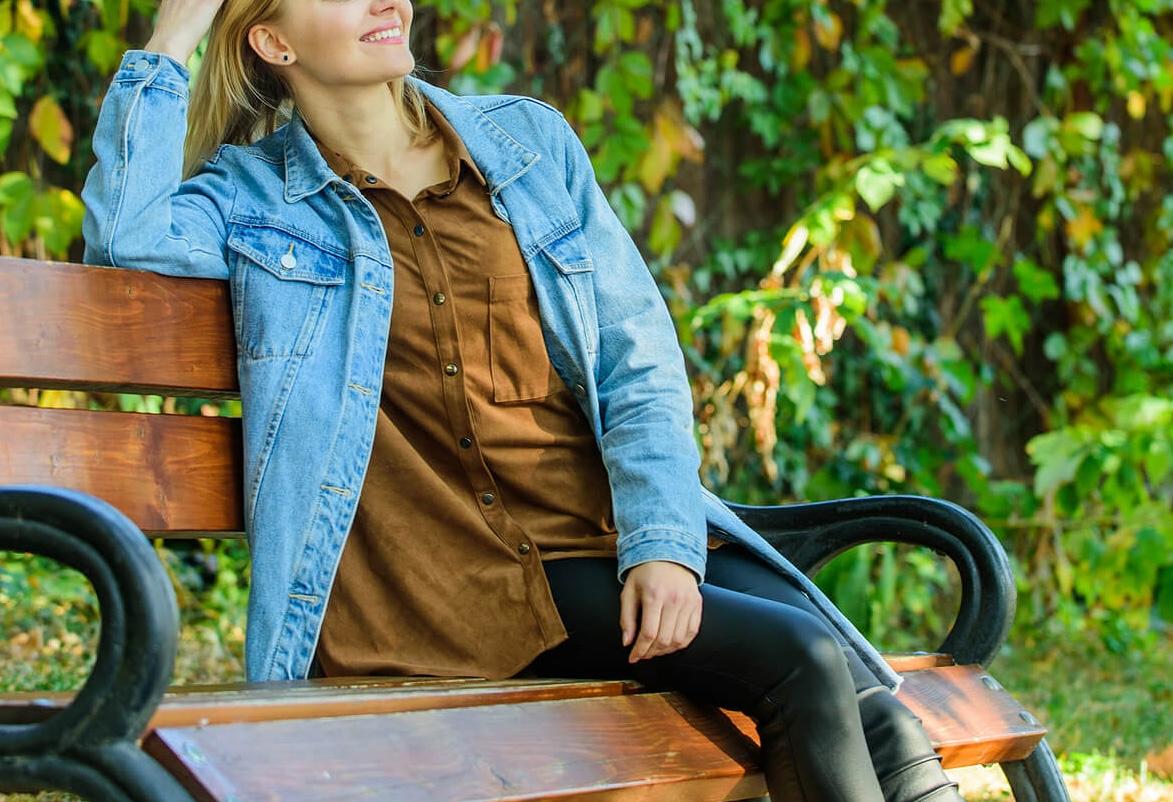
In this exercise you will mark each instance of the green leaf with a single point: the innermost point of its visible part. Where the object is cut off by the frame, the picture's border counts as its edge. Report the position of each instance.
(665, 232)
(1087, 124)
(876, 183)
(16, 198)
(103, 48)
(57, 217)
(1036, 283)
(1058, 455)
(953, 13)
(1006, 316)
(941, 167)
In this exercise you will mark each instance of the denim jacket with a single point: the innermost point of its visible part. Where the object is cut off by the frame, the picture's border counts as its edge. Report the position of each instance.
(311, 280)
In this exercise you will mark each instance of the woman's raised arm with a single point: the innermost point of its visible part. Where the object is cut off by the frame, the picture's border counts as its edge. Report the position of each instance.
(140, 214)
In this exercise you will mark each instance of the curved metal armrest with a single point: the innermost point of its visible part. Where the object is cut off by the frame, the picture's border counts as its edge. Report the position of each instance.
(89, 747)
(810, 535)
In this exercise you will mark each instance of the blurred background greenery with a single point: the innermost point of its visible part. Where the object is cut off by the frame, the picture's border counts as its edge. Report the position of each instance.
(909, 248)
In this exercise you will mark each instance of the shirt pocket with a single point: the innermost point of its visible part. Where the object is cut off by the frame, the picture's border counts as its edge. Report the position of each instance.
(285, 284)
(518, 360)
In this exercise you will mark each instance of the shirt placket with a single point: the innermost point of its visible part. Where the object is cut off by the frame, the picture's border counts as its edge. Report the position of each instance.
(450, 362)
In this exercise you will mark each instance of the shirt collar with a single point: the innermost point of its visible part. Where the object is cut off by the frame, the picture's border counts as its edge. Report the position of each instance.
(455, 154)
(498, 156)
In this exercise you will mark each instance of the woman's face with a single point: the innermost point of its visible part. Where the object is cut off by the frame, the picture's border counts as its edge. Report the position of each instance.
(339, 42)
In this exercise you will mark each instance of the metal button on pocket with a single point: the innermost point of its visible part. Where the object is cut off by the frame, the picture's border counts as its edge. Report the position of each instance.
(289, 261)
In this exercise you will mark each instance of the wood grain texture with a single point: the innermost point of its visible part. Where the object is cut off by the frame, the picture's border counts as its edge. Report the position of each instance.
(970, 717)
(71, 326)
(142, 464)
(614, 748)
(512, 740)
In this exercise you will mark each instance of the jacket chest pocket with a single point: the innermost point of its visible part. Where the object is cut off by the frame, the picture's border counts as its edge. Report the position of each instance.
(518, 360)
(284, 287)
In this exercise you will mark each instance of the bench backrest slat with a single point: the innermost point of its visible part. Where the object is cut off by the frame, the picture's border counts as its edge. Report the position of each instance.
(70, 326)
(173, 475)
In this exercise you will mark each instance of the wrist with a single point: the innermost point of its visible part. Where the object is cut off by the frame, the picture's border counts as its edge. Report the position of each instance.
(178, 53)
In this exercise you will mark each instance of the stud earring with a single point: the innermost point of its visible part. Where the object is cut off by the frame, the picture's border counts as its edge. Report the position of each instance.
(285, 57)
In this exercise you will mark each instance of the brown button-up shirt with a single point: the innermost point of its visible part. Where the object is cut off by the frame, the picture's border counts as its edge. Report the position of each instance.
(483, 464)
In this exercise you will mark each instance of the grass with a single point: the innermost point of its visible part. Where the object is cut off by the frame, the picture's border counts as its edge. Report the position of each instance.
(1107, 712)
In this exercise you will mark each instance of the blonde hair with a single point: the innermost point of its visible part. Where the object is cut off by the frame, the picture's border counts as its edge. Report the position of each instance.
(238, 98)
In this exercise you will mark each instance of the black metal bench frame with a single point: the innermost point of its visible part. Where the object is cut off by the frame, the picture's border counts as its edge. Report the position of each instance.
(89, 748)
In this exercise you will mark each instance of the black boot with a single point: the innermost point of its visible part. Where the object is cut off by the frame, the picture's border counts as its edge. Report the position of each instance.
(908, 768)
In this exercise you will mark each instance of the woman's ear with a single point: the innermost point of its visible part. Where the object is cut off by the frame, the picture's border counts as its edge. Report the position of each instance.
(266, 42)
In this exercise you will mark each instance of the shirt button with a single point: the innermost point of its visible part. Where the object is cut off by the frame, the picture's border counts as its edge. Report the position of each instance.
(523, 548)
(466, 442)
(487, 498)
(370, 179)
(142, 65)
(451, 369)
(419, 229)
(579, 390)
(439, 298)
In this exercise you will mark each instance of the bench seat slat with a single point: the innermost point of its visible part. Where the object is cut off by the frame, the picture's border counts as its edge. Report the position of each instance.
(613, 748)
(514, 739)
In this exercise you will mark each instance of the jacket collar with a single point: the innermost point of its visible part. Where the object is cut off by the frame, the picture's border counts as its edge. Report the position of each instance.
(498, 156)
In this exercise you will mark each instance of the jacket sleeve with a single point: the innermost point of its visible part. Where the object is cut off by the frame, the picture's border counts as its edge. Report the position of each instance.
(645, 400)
(138, 214)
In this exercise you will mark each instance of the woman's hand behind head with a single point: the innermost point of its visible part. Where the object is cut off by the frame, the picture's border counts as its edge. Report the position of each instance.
(181, 25)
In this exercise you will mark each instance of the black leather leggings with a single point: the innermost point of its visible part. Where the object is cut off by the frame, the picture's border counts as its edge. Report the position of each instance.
(829, 731)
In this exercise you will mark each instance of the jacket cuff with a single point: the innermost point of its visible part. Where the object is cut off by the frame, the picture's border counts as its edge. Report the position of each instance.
(156, 69)
(668, 545)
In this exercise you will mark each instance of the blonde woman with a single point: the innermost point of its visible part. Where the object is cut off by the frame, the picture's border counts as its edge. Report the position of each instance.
(468, 428)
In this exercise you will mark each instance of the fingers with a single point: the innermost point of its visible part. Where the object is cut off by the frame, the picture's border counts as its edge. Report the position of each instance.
(628, 607)
(649, 627)
(665, 628)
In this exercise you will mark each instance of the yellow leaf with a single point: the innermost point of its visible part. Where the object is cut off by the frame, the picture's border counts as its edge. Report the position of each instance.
(29, 21)
(828, 34)
(1083, 227)
(795, 240)
(962, 60)
(672, 138)
(1136, 105)
(51, 129)
(801, 56)
(489, 50)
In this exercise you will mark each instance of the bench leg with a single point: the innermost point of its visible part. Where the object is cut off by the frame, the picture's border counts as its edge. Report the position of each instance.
(1036, 778)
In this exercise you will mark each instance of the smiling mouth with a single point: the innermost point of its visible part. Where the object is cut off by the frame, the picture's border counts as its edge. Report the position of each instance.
(390, 33)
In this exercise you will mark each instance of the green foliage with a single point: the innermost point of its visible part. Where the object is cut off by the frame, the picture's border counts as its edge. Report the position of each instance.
(900, 258)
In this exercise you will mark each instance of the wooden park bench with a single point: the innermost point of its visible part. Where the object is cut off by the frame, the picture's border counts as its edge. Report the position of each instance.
(87, 488)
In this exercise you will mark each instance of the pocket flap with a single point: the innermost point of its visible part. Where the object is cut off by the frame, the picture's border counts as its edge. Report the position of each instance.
(286, 255)
(569, 252)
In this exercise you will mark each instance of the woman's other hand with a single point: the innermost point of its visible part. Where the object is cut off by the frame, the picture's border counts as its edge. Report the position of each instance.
(664, 599)
(180, 27)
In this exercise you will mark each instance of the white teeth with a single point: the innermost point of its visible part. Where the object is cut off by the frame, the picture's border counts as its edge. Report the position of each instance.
(388, 34)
